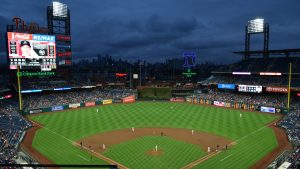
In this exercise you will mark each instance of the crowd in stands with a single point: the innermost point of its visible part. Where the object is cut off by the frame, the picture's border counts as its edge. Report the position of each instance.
(291, 123)
(54, 84)
(250, 98)
(12, 130)
(43, 100)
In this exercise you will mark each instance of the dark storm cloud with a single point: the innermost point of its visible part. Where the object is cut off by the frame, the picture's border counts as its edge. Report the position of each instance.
(155, 30)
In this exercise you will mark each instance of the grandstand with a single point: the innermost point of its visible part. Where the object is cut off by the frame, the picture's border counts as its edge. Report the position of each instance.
(255, 87)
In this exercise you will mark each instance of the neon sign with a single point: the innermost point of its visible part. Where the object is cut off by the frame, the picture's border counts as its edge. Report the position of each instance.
(189, 73)
(121, 74)
(29, 74)
(189, 59)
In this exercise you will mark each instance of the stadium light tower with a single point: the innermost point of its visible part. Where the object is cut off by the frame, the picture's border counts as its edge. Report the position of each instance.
(257, 26)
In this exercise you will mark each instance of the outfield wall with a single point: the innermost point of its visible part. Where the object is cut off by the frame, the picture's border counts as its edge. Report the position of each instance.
(128, 99)
(235, 105)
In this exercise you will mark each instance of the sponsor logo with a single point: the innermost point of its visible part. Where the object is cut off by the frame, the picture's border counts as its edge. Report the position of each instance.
(180, 99)
(109, 101)
(277, 89)
(188, 99)
(43, 38)
(74, 106)
(217, 103)
(267, 109)
(118, 100)
(87, 104)
(21, 36)
(35, 111)
(56, 108)
(226, 86)
(129, 99)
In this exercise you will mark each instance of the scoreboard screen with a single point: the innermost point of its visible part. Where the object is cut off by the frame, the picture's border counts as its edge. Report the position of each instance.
(249, 88)
(34, 50)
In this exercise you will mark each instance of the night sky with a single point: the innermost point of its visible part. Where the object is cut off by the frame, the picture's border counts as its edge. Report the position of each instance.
(155, 30)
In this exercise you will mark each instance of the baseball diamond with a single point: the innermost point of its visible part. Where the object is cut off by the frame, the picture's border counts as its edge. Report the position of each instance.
(249, 138)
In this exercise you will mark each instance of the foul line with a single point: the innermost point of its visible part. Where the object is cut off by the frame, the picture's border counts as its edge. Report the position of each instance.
(74, 143)
(226, 157)
(83, 158)
(194, 163)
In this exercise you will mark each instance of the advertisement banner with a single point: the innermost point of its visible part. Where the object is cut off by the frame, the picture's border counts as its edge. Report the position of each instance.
(188, 99)
(249, 88)
(177, 99)
(87, 104)
(227, 105)
(74, 106)
(267, 109)
(56, 108)
(31, 50)
(226, 86)
(217, 103)
(35, 111)
(118, 100)
(108, 101)
(277, 89)
(129, 99)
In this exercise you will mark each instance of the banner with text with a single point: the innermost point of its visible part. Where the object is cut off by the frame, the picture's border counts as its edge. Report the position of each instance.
(108, 101)
(277, 89)
(267, 109)
(74, 106)
(129, 99)
(217, 103)
(178, 99)
(226, 86)
(88, 104)
(57, 108)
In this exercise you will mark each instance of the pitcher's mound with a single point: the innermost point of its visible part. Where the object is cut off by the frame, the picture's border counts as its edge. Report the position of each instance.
(155, 153)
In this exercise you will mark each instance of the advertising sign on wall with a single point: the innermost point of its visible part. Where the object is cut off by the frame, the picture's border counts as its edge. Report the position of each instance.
(226, 86)
(35, 111)
(87, 104)
(74, 106)
(129, 99)
(108, 101)
(177, 99)
(56, 108)
(267, 109)
(217, 103)
(277, 89)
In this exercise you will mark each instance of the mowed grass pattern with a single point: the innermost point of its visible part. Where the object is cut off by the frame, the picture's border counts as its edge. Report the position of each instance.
(174, 153)
(79, 123)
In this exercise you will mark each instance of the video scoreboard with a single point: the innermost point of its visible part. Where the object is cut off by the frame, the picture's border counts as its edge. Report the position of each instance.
(31, 50)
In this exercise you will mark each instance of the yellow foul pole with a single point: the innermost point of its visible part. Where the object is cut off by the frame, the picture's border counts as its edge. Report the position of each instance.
(289, 88)
(19, 88)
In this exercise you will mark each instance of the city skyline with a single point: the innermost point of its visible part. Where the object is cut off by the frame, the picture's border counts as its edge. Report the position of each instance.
(155, 31)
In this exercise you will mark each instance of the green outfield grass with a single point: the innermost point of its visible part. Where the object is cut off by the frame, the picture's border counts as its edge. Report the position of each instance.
(254, 140)
(171, 157)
